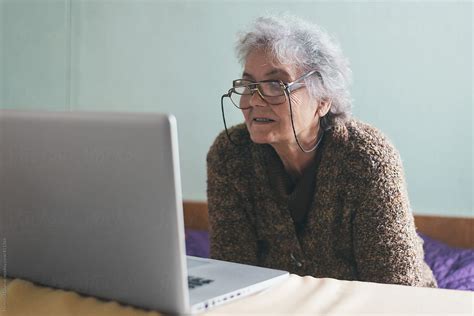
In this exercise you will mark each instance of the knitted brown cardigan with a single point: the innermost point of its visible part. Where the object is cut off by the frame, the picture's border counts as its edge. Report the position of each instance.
(358, 227)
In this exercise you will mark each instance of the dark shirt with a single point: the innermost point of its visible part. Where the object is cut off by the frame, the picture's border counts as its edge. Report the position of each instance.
(299, 194)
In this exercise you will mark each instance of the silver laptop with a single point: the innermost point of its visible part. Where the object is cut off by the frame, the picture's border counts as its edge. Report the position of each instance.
(91, 202)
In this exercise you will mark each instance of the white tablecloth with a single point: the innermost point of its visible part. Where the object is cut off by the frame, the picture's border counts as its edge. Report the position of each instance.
(311, 296)
(294, 296)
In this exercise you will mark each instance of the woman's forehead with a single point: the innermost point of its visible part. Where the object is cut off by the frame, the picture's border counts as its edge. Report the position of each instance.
(262, 67)
(274, 72)
(261, 63)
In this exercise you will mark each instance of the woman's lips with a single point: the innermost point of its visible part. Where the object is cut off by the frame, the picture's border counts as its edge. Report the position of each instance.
(262, 120)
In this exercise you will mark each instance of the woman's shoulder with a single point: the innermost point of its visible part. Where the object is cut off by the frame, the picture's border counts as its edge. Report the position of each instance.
(365, 143)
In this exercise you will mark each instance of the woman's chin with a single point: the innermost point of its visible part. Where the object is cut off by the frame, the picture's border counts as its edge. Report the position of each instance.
(260, 139)
(263, 134)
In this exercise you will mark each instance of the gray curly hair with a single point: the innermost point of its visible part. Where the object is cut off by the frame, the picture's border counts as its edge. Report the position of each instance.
(306, 46)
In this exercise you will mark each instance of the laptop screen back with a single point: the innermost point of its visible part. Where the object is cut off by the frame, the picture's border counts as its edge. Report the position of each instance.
(92, 202)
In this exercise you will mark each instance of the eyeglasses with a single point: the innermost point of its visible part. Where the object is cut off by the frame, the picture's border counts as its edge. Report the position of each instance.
(274, 92)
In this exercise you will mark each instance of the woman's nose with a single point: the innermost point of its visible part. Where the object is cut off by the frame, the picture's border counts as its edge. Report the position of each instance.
(257, 99)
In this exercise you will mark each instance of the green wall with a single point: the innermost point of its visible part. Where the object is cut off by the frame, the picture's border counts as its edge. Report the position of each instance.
(412, 64)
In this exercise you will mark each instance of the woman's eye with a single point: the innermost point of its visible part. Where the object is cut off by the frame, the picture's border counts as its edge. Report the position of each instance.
(275, 86)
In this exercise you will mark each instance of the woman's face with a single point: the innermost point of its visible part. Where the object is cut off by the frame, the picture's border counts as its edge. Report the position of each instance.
(271, 124)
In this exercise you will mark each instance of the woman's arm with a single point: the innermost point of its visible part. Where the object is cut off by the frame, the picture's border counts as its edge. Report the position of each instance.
(231, 233)
(387, 248)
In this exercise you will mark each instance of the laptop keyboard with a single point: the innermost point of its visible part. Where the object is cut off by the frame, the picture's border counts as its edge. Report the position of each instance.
(194, 282)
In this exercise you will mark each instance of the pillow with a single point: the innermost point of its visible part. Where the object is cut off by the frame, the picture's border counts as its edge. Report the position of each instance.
(452, 267)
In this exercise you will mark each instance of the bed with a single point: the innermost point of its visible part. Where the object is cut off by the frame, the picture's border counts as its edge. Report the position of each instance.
(448, 244)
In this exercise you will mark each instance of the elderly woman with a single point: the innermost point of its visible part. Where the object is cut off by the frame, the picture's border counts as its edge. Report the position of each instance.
(301, 186)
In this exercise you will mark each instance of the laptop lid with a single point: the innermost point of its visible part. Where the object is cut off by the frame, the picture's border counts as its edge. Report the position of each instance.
(92, 202)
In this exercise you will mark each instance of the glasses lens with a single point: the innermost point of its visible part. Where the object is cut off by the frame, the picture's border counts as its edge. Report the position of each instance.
(273, 92)
(242, 86)
(272, 89)
(276, 100)
(240, 101)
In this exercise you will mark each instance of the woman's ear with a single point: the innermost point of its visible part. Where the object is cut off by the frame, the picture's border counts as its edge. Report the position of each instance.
(324, 107)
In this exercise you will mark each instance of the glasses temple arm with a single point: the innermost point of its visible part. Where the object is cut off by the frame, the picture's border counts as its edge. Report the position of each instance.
(290, 85)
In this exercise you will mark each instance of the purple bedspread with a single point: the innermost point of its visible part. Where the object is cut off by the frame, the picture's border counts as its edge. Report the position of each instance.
(197, 243)
(453, 267)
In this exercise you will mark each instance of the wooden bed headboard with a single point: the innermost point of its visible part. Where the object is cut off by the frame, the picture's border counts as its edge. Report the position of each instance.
(454, 231)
